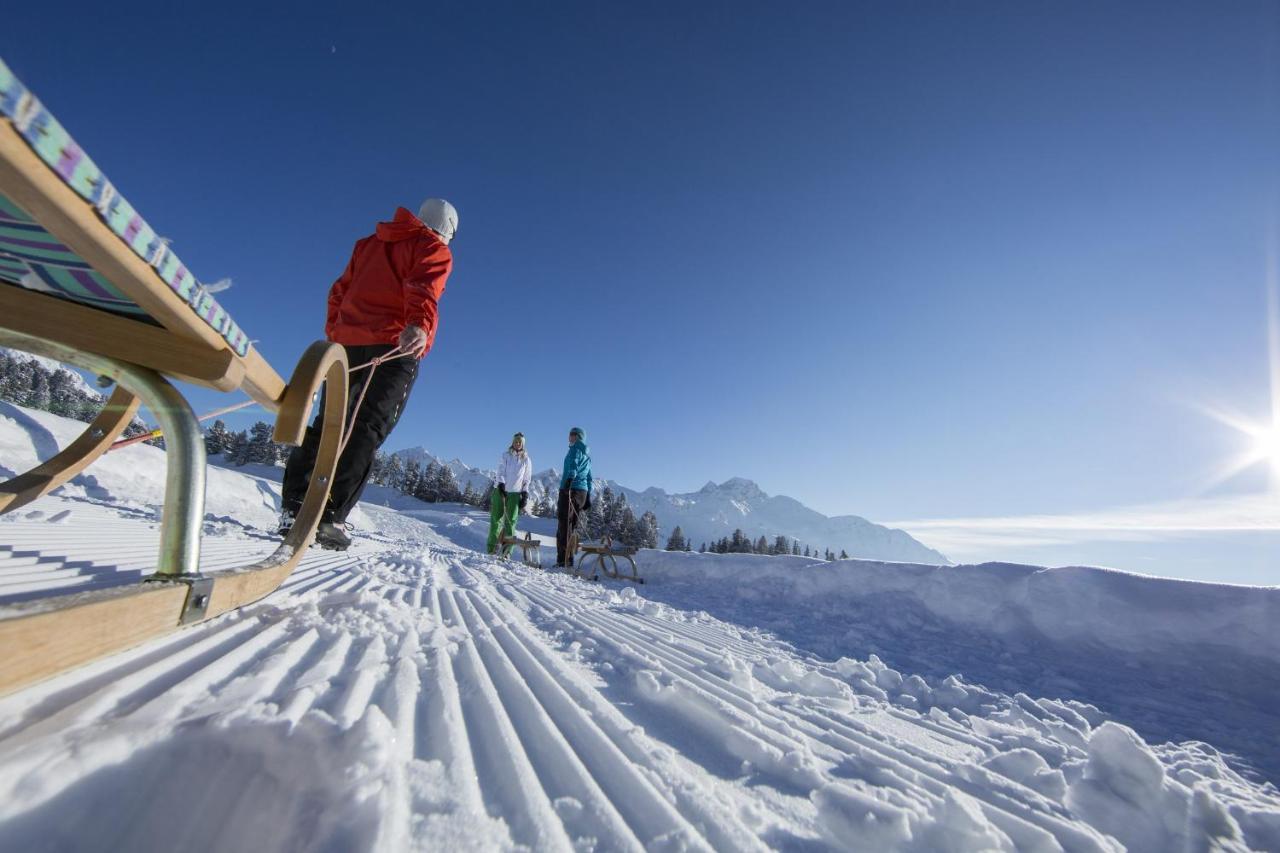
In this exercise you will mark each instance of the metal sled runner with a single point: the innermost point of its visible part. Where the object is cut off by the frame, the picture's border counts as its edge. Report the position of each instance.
(85, 280)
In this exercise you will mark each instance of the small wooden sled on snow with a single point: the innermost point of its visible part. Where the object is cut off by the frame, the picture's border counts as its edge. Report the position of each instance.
(527, 545)
(606, 558)
(85, 280)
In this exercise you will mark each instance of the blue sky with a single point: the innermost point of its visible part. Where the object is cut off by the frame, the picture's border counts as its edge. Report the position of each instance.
(917, 262)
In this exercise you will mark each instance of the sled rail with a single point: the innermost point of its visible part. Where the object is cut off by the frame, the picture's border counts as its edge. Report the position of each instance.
(85, 280)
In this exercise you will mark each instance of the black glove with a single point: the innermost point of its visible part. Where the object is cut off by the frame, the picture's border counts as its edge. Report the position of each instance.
(524, 500)
(502, 490)
(586, 504)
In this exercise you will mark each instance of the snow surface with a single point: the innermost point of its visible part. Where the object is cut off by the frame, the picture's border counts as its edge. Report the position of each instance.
(415, 694)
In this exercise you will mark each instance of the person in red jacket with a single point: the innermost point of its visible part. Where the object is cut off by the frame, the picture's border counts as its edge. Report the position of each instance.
(388, 296)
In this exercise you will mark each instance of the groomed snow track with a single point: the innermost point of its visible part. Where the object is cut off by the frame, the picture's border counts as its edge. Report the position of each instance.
(410, 694)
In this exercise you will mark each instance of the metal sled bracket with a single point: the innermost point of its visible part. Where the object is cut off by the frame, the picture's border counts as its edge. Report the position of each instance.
(199, 591)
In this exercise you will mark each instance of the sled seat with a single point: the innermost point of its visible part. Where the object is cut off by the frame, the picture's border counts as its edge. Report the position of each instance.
(527, 545)
(85, 280)
(606, 555)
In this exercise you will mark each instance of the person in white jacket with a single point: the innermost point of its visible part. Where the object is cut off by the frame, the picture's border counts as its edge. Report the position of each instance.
(510, 491)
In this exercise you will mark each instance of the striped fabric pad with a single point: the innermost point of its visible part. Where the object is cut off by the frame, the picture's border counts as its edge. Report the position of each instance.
(33, 258)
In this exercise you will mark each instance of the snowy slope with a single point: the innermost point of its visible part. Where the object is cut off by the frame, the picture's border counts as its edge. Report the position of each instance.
(414, 694)
(716, 511)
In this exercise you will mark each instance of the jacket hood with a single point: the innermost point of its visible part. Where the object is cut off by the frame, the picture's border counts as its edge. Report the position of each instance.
(404, 226)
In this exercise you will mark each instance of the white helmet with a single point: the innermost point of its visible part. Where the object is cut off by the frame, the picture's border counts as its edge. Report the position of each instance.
(438, 215)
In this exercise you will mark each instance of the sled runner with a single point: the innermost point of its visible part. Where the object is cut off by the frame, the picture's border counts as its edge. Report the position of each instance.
(85, 280)
(526, 545)
(606, 554)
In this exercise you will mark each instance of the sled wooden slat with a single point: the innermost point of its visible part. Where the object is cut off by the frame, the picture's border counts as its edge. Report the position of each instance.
(90, 330)
(43, 638)
(26, 180)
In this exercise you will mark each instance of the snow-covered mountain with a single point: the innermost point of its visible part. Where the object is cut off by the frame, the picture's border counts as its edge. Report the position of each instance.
(715, 511)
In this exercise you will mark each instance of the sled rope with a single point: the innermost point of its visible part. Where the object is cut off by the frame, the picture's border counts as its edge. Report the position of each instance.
(226, 410)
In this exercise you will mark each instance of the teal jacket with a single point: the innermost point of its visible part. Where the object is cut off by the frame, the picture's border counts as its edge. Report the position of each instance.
(577, 467)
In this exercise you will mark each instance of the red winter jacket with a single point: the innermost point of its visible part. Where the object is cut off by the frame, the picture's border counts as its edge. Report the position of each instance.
(395, 279)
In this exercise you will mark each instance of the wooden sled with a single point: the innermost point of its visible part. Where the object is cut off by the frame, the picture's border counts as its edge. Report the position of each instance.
(84, 279)
(607, 555)
(527, 545)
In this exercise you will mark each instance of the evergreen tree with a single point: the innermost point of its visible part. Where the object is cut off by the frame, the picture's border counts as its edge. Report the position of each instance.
(806, 550)
(393, 474)
(38, 393)
(446, 485)
(648, 530)
(411, 481)
(428, 481)
(217, 438)
(739, 543)
(260, 450)
(486, 497)
(703, 549)
(843, 555)
(795, 547)
(630, 533)
(592, 522)
(238, 452)
(761, 545)
(676, 542)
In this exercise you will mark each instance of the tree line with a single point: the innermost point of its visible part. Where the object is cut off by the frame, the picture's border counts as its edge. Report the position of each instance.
(28, 383)
(740, 543)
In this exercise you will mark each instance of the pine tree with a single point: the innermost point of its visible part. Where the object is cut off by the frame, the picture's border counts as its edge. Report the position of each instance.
(739, 543)
(260, 450)
(676, 542)
(470, 496)
(446, 485)
(38, 393)
(703, 549)
(780, 545)
(217, 438)
(648, 530)
(393, 475)
(238, 452)
(843, 555)
(428, 480)
(761, 545)
(806, 550)
(795, 547)
(486, 497)
(411, 480)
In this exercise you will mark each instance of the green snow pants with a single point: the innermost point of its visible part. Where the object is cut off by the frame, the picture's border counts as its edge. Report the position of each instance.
(502, 517)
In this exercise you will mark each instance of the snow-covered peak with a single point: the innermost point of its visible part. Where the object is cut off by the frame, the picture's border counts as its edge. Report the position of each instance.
(742, 489)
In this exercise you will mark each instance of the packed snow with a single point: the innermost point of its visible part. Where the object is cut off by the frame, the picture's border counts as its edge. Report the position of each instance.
(413, 693)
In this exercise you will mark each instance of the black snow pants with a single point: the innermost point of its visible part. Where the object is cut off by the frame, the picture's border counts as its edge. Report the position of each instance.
(568, 509)
(383, 404)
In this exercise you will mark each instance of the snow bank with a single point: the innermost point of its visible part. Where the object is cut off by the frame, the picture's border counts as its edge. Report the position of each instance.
(1068, 606)
(1175, 660)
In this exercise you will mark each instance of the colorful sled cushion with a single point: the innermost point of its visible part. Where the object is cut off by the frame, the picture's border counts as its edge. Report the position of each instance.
(31, 257)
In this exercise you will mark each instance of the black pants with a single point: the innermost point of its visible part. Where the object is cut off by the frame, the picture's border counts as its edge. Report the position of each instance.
(567, 512)
(383, 404)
